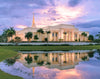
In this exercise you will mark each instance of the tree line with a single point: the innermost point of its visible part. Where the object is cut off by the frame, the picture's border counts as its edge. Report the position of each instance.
(8, 35)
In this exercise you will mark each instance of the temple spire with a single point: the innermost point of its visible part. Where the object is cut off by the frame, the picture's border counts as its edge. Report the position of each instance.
(33, 22)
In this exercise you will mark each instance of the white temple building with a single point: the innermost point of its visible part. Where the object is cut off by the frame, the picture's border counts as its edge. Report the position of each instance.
(61, 32)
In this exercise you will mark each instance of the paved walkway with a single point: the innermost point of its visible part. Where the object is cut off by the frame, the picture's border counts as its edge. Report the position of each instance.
(44, 43)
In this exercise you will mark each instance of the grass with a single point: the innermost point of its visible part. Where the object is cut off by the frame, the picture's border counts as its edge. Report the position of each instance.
(10, 51)
(50, 48)
(6, 53)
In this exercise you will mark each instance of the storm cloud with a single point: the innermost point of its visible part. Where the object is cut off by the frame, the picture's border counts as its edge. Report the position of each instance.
(74, 3)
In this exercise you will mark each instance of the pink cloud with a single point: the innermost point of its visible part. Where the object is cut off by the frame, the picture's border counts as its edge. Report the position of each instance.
(20, 26)
(60, 14)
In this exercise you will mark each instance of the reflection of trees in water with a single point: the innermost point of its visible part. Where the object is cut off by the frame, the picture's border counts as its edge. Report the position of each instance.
(84, 58)
(91, 54)
(36, 58)
(11, 61)
(40, 63)
(29, 59)
(98, 51)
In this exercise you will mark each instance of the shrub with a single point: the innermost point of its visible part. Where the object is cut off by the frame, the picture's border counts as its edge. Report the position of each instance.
(12, 41)
(75, 39)
(46, 54)
(48, 63)
(79, 39)
(65, 61)
(17, 39)
(60, 40)
(46, 39)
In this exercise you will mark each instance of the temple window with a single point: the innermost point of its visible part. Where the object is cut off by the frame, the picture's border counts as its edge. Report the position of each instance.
(53, 59)
(56, 34)
(53, 34)
(56, 59)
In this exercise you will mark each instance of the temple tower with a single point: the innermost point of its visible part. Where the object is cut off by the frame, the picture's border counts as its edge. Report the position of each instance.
(33, 22)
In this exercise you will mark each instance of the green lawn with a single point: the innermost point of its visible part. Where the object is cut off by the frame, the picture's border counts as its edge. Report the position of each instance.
(48, 48)
(9, 51)
(6, 53)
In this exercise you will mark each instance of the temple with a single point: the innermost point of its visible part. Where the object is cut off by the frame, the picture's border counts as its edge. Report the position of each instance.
(61, 32)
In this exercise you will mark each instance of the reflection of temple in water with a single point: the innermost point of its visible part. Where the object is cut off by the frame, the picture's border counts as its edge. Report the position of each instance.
(55, 60)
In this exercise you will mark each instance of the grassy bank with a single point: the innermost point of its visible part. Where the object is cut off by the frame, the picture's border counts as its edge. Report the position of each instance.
(9, 51)
(6, 53)
(48, 48)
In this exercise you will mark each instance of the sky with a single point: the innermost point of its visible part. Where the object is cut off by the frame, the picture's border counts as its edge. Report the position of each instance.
(84, 14)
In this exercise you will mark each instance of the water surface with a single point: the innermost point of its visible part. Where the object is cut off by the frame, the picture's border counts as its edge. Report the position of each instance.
(54, 65)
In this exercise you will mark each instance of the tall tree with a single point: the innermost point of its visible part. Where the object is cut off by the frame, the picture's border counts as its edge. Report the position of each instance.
(98, 35)
(84, 35)
(29, 36)
(91, 37)
(40, 31)
(9, 32)
(36, 37)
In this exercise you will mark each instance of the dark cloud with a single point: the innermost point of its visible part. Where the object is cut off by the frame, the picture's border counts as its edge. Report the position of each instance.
(74, 3)
(52, 2)
(38, 2)
(90, 24)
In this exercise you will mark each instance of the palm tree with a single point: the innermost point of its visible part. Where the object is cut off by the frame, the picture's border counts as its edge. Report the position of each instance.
(9, 32)
(4, 37)
(65, 35)
(36, 37)
(29, 36)
(40, 31)
(84, 35)
(91, 37)
(98, 35)
(48, 32)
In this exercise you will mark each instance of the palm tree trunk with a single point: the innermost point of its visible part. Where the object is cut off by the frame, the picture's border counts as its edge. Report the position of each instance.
(29, 40)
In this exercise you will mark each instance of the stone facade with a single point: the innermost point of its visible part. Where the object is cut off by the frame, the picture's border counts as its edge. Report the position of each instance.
(57, 33)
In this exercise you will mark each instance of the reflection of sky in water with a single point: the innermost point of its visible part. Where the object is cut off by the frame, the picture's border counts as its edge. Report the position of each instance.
(84, 70)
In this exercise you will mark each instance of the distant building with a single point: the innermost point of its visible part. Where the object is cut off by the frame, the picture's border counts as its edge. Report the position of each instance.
(61, 32)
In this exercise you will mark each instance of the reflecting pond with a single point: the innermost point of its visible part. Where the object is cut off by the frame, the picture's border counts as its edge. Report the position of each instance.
(54, 65)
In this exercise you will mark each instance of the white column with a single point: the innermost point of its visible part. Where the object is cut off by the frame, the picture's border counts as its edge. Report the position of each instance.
(54, 36)
(66, 57)
(59, 36)
(73, 36)
(50, 57)
(61, 59)
(77, 37)
(68, 36)
(62, 35)
(73, 57)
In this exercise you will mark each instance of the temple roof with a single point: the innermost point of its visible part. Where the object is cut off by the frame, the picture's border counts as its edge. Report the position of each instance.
(61, 26)
(28, 29)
